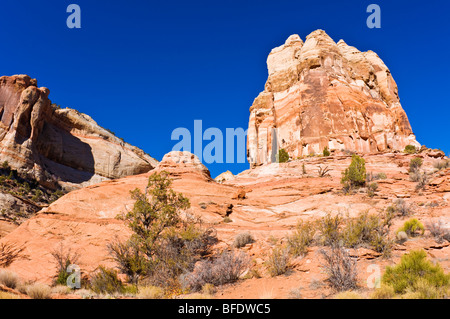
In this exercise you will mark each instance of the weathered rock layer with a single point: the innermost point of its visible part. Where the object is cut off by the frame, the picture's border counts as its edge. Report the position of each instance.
(321, 93)
(59, 147)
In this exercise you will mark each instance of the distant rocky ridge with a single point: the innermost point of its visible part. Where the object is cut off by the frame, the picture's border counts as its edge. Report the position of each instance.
(325, 94)
(60, 148)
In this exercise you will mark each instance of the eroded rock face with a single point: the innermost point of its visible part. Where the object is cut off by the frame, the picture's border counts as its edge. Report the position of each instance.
(321, 93)
(59, 146)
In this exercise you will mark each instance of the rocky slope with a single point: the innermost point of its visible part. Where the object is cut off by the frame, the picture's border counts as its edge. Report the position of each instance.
(320, 93)
(59, 147)
(276, 197)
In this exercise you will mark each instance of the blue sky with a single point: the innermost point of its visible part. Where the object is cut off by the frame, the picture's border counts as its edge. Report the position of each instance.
(144, 68)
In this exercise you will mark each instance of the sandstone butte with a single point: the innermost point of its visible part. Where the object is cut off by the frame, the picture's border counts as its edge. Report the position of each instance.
(60, 148)
(268, 200)
(325, 94)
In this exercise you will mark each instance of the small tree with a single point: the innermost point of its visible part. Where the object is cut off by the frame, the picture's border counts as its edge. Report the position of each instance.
(355, 174)
(154, 213)
(326, 152)
(282, 156)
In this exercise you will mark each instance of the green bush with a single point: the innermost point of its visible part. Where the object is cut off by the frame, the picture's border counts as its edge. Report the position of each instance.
(410, 149)
(282, 156)
(412, 227)
(414, 272)
(355, 174)
(106, 281)
(326, 152)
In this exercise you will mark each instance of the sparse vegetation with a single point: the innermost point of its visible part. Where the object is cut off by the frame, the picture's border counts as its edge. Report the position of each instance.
(438, 231)
(401, 208)
(282, 156)
(441, 164)
(326, 152)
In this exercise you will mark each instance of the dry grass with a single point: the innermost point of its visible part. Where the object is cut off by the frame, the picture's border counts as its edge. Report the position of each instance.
(9, 279)
(150, 292)
(7, 295)
(38, 291)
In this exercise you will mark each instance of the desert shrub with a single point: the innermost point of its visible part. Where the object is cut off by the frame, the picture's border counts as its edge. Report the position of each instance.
(38, 291)
(340, 269)
(410, 149)
(438, 231)
(9, 253)
(355, 174)
(413, 272)
(106, 281)
(302, 238)
(329, 228)
(371, 189)
(412, 227)
(243, 239)
(278, 262)
(384, 292)
(63, 258)
(209, 289)
(282, 156)
(150, 292)
(326, 152)
(226, 268)
(415, 164)
(304, 169)
(8, 278)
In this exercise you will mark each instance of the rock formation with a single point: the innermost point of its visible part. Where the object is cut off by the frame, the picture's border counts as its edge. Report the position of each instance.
(59, 147)
(321, 93)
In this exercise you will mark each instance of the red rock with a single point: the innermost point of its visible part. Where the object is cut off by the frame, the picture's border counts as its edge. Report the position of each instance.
(322, 94)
